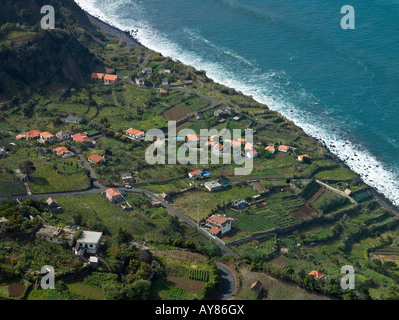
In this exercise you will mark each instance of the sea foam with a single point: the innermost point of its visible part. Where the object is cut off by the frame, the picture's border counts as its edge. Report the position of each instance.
(264, 88)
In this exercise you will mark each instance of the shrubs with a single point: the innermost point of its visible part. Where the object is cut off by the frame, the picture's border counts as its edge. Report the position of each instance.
(329, 203)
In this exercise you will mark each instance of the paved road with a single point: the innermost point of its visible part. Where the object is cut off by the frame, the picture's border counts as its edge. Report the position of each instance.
(228, 282)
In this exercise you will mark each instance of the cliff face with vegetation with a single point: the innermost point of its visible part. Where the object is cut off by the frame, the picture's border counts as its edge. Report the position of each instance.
(32, 57)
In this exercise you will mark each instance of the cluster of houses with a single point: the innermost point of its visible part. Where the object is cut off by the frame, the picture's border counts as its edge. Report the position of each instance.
(87, 243)
(105, 78)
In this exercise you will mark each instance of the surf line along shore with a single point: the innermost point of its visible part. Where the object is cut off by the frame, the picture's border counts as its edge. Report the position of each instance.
(132, 41)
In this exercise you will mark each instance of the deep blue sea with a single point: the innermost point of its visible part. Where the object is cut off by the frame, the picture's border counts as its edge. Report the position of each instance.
(340, 86)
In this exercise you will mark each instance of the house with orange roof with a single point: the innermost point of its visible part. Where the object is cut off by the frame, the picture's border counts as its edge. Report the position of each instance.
(97, 76)
(157, 204)
(251, 154)
(95, 158)
(46, 137)
(32, 135)
(217, 147)
(249, 146)
(195, 174)
(134, 133)
(284, 148)
(110, 78)
(316, 274)
(302, 157)
(215, 231)
(241, 140)
(214, 137)
(224, 224)
(63, 152)
(20, 136)
(82, 138)
(271, 149)
(163, 91)
(113, 195)
(193, 137)
(257, 286)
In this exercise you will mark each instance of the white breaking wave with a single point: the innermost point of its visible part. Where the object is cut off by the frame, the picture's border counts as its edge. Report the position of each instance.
(261, 88)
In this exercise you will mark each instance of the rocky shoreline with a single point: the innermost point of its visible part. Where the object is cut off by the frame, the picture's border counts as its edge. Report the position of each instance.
(132, 41)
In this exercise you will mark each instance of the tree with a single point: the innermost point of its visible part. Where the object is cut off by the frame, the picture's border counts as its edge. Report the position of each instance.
(27, 167)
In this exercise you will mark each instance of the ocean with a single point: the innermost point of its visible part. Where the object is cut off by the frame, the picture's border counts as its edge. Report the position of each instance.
(340, 86)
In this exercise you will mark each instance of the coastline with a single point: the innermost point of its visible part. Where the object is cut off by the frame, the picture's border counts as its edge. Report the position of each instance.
(132, 41)
(107, 28)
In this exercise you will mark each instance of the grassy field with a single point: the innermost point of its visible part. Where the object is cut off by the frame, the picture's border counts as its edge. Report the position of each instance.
(339, 173)
(86, 290)
(209, 201)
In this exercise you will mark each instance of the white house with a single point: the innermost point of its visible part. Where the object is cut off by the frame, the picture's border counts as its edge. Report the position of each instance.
(46, 137)
(195, 174)
(134, 133)
(90, 241)
(221, 223)
(164, 82)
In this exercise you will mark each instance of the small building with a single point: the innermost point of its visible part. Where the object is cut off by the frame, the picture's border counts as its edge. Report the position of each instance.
(216, 185)
(96, 159)
(46, 137)
(239, 204)
(126, 177)
(134, 133)
(193, 138)
(56, 235)
(2, 152)
(63, 152)
(32, 135)
(249, 146)
(110, 78)
(301, 158)
(251, 154)
(157, 204)
(97, 76)
(164, 82)
(147, 70)
(224, 224)
(228, 110)
(257, 286)
(64, 135)
(89, 241)
(236, 118)
(73, 120)
(19, 176)
(52, 203)
(163, 92)
(188, 83)
(140, 82)
(82, 138)
(113, 195)
(218, 113)
(164, 71)
(93, 260)
(195, 174)
(271, 149)
(284, 148)
(347, 192)
(316, 274)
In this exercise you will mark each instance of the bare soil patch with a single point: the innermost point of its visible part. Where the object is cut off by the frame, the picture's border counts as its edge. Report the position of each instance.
(303, 212)
(16, 289)
(177, 112)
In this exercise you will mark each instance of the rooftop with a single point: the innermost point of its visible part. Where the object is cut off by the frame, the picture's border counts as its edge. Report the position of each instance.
(90, 237)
